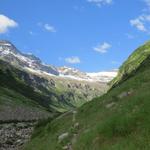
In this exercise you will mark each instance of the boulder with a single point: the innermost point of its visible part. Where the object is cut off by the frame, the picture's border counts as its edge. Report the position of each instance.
(62, 137)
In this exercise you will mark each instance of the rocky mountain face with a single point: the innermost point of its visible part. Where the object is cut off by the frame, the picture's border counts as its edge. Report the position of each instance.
(103, 77)
(72, 73)
(44, 87)
(14, 135)
(11, 54)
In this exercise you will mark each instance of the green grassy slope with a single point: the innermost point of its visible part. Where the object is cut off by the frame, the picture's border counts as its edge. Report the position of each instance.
(17, 97)
(11, 85)
(119, 120)
(33, 87)
(132, 63)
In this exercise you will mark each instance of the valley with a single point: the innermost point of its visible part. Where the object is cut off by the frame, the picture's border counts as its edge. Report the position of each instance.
(117, 120)
(31, 91)
(72, 111)
(75, 75)
(56, 90)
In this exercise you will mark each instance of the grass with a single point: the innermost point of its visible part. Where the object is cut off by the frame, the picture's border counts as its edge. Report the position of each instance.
(10, 97)
(132, 63)
(19, 97)
(125, 125)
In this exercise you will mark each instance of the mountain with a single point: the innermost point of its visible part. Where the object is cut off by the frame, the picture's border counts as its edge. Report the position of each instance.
(118, 120)
(103, 77)
(27, 83)
(9, 53)
(31, 91)
(18, 100)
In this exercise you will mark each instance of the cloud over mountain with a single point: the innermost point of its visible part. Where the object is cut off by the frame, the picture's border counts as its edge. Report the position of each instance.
(6, 23)
(73, 60)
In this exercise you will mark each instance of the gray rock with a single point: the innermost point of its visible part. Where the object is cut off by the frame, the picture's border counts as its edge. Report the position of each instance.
(110, 105)
(76, 125)
(63, 136)
(125, 94)
(14, 135)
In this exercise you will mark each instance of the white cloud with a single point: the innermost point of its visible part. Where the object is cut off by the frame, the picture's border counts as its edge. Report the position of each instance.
(102, 48)
(100, 2)
(6, 23)
(49, 28)
(73, 60)
(141, 22)
(46, 27)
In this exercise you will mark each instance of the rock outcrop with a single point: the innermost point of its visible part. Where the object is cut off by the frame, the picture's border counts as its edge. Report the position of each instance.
(14, 135)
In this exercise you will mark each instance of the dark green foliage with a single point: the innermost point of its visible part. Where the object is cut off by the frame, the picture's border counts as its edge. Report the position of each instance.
(10, 80)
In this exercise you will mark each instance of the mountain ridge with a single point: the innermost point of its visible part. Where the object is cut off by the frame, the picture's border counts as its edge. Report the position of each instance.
(10, 53)
(51, 92)
(132, 63)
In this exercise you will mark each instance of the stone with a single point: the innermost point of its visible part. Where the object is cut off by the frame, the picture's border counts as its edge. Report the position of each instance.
(76, 125)
(110, 105)
(14, 135)
(63, 136)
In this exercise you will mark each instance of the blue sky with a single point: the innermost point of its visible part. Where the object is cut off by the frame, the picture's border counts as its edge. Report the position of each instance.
(91, 35)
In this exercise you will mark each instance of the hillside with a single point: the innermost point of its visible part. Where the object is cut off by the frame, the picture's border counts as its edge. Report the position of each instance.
(24, 95)
(132, 63)
(18, 100)
(118, 120)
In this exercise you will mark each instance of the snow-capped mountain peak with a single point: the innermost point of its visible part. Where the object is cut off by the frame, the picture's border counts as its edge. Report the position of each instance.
(104, 76)
(73, 73)
(11, 54)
